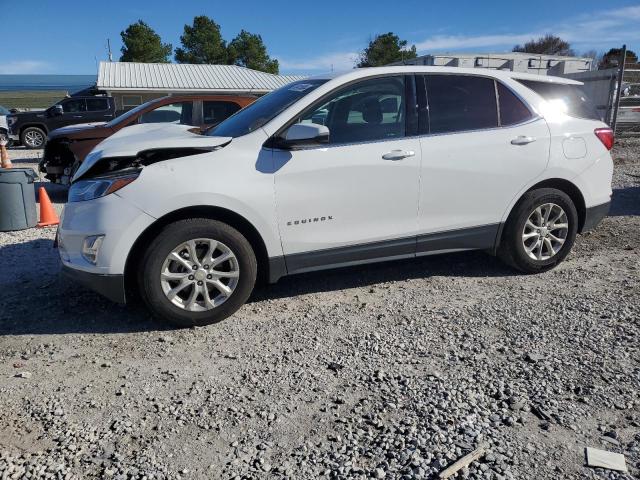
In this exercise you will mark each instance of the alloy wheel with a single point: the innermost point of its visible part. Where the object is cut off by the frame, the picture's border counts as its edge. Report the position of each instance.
(199, 275)
(34, 138)
(545, 231)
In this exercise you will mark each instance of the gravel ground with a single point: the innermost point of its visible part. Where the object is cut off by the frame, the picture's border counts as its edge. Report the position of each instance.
(385, 371)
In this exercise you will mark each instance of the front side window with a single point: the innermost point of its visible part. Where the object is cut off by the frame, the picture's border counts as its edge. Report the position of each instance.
(367, 111)
(214, 112)
(179, 113)
(74, 106)
(575, 102)
(459, 103)
(97, 104)
(512, 109)
(265, 109)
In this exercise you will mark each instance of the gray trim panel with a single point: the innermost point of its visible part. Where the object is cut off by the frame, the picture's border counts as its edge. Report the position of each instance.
(298, 262)
(475, 238)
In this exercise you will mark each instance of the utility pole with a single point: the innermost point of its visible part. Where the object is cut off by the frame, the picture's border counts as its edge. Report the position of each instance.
(616, 103)
(109, 50)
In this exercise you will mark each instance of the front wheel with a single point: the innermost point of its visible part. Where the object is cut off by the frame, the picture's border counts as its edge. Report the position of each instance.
(540, 231)
(33, 137)
(197, 272)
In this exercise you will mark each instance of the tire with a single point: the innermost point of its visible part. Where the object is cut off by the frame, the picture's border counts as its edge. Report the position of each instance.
(33, 138)
(514, 246)
(156, 260)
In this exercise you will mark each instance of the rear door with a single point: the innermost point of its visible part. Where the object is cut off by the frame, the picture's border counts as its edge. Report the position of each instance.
(98, 109)
(476, 157)
(355, 199)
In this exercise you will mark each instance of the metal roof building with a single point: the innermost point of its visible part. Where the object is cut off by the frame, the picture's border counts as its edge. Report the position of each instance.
(132, 83)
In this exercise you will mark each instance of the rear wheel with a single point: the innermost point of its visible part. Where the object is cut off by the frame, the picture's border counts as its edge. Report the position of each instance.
(540, 231)
(197, 272)
(33, 137)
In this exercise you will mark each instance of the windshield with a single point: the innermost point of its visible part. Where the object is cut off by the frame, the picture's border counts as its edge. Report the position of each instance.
(131, 113)
(4, 111)
(264, 109)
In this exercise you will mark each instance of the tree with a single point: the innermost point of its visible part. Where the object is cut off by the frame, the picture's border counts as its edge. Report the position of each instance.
(202, 42)
(142, 44)
(611, 59)
(248, 50)
(547, 45)
(384, 49)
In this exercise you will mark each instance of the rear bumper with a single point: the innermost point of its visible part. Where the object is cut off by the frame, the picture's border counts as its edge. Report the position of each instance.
(109, 286)
(594, 216)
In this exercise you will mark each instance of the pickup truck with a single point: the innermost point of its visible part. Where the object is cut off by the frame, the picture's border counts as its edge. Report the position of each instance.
(31, 128)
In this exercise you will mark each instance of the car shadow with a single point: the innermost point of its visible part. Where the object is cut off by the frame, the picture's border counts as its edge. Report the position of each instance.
(39, 300)
(625, 202)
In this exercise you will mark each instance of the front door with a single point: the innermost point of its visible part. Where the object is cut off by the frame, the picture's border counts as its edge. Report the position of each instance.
(355, 199)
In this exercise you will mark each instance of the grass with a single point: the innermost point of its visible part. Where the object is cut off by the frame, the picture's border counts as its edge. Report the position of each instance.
(30, 99)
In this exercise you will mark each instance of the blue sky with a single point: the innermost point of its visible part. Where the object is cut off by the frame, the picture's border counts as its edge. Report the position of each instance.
(69, 36)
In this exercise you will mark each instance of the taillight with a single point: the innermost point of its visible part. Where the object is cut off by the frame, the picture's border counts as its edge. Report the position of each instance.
(606, 137)
(635, 109)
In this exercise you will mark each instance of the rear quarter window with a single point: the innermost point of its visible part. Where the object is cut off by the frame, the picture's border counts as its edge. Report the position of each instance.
(577, 103)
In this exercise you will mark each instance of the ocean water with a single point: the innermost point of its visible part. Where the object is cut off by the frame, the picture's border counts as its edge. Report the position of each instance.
(70, 83)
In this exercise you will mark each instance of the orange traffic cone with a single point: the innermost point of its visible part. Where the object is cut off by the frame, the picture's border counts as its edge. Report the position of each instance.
(48, 215)
(4, 157)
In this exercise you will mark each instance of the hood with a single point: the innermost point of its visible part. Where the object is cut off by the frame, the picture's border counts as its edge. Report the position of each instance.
(82, 131)
(132, 143)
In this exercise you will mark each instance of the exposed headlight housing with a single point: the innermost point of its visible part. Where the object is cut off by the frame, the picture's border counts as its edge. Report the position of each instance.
(91, 247)
(93, 188)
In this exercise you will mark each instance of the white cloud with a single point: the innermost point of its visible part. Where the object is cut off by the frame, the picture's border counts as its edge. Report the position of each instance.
(24, 67)
(455, 42)
(583, 31)
(336, 61)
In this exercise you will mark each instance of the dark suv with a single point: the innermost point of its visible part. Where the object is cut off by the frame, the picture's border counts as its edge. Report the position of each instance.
(68, 146)
(31, 128)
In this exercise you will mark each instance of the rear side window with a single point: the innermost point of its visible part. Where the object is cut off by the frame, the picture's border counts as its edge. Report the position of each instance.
(575, 100)
(512, 109)
(459, 103)
(216, 111)
(97, 104)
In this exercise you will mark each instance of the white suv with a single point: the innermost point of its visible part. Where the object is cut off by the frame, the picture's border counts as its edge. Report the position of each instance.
(376, 164)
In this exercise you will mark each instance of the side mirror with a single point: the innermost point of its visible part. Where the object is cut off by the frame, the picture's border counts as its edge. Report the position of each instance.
(304, 135)
(56, 111)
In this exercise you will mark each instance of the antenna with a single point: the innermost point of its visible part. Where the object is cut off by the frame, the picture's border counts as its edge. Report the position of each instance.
(109, 50)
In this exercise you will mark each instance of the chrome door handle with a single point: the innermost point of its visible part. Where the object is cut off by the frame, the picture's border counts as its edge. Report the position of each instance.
(398, 154)
(77, 116)
(522, 140)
